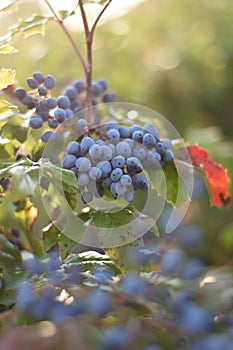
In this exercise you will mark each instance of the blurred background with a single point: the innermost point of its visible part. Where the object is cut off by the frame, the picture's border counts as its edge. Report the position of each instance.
(175, 57)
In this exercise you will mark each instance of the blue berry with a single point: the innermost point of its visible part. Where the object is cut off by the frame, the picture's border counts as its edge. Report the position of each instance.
(106, 152)
(118, 162)
(126, 180)
(95, 173)
(117, 190)
(29, 101)
(69, 113)
(134, 128)
(42, 91)
(20, 93)
(153, 157)
(140, 153)
(123, 149)
(60, 115)
(63, 102)
(86, 143)
(32, 83)
(105, 167)
(129, 195)
(116, 174)
(111, 124)
(134, 166)
(96, 88)
(49, 82)
(87, 197)
(80, 86)
(53, 123)
(36, 122)
(83, 180)
(73, 147)
(160, 148)
(83, 164)
(39, 77)
(69, 161)
(124, 132)
(71, 93)
(113, 134)
(137, 136)
(196, 319)
(151, 128)
(51, 103)
(142, 183)
(193, 268)
(42, 110)
(49, 136)
(107, 181)
(95, 151)
(81, 124)
(167, 155)
(109, 97)
(171, 261)
(103, 84)
(148, 140)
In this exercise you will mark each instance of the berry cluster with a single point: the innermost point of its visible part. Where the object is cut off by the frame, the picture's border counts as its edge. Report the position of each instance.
(115, 164)
(55, 111)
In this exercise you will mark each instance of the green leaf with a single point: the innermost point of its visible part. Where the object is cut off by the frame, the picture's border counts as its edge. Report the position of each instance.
(8, 5)
(24, 180)
(50, 237)
(5, 167)
(10, 280)
(66, 246)
(100, 2)
(7, 77)
(7, 49)
(10, 249)
(69, 181)
(91, 259)
(172, 181)
(125, 257)
(30, 26)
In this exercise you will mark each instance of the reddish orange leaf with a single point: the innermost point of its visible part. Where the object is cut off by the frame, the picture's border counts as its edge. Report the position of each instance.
(216, 176)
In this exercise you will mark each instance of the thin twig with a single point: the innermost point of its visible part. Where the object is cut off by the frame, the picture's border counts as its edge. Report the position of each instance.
(61, 23)
(98, 18)
(84, 18)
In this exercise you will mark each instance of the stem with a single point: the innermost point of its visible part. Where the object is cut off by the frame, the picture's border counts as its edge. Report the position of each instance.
(89, 41)
(88, 64)
(89, 35)
(62, 25)
(98, 18)
(84, 18)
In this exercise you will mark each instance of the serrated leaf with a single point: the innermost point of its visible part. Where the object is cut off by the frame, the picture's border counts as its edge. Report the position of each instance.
(7, 77)
(8, 5)
(7, 49)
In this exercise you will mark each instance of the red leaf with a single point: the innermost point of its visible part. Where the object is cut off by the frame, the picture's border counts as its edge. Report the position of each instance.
(216, 176)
